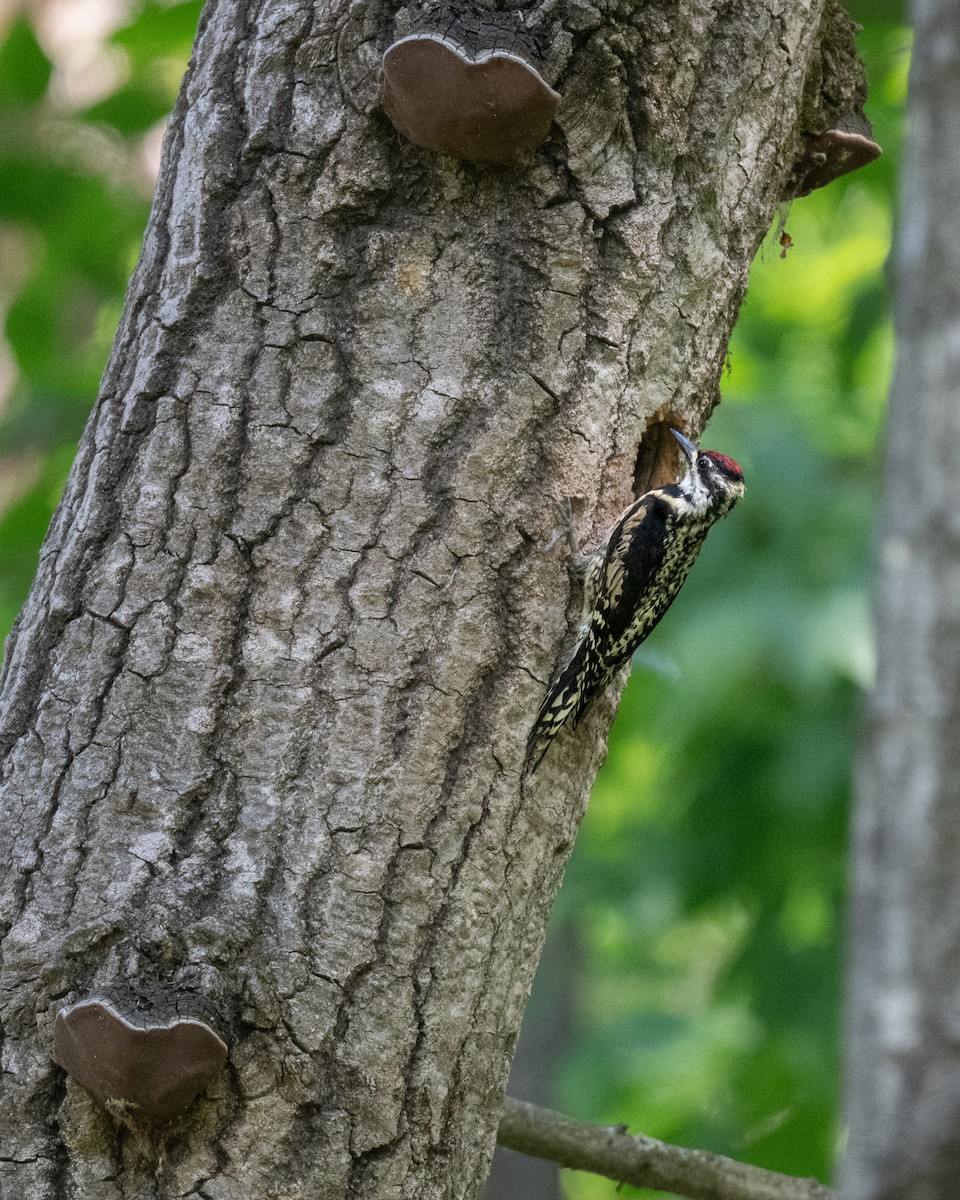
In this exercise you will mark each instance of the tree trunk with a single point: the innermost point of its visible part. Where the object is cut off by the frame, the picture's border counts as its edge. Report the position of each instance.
(264, 711)
(903, 1060)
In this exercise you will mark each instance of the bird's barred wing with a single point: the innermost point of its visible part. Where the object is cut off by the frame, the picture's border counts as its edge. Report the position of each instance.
(571, 692)
(626, 578)
(620, 577)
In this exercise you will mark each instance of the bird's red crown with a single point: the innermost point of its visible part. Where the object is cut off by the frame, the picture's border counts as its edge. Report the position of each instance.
(729, 465)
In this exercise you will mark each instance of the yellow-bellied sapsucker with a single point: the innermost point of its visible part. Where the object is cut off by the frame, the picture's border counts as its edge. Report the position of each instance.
(630, 581)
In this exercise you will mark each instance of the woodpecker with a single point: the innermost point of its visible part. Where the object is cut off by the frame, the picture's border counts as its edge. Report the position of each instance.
(630, 581)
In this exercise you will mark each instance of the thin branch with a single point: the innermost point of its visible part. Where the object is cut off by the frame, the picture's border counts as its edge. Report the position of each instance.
(642, 1161)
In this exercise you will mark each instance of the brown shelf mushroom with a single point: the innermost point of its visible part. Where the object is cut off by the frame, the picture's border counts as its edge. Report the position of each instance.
(835, 152)
(152, 1072)
(490, 108)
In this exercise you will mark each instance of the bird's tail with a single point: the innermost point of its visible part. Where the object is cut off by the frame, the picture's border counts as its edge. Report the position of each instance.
(565, 702)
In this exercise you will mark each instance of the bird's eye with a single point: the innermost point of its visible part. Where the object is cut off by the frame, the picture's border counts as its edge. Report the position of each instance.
(705, 462)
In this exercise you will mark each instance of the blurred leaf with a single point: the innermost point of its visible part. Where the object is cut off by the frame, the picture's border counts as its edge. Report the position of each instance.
(24, 68)
(88, 224)
(131, 109)
(159, 31)
(22, 529)
(32, 188)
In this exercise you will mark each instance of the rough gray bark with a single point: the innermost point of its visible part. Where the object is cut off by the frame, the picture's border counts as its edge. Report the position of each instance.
(264, 711)
(903, 1059)
(548, 1030)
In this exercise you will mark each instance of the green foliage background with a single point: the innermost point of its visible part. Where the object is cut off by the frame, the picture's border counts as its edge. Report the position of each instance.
(706, 890)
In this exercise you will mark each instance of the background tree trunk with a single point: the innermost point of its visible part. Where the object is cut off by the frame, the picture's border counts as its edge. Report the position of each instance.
(264, 711)
(903, 1056)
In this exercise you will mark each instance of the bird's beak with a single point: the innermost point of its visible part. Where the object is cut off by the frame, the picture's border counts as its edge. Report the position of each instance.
(688, 448)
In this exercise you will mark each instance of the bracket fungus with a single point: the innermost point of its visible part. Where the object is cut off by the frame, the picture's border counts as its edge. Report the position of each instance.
(835, 152)
(490, 107)
(150, 1071)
